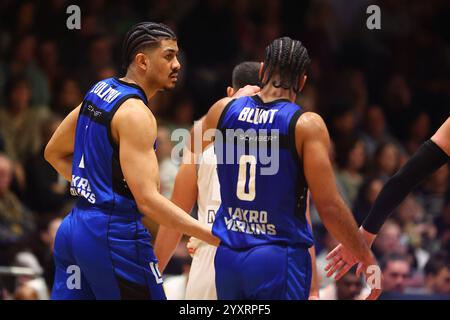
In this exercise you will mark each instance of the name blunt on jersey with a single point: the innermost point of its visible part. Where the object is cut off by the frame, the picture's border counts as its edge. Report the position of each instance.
(249, 221)
(81, 187)
(257, 115)
(105, 92)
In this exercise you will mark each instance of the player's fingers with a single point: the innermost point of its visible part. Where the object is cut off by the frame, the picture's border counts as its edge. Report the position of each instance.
(336, 267)
(333, 252)
(333, 262)
(342, 272)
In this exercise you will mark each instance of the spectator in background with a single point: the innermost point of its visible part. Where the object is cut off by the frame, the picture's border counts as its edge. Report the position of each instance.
(349, 287)
(365, 198)
(437, 274)
(46, 190)
(350, 158)
(49, 62)
(22, 62)
(355, 90)
(375, 131)
(396, 270)
(68, 96)
(20, 126)
(418, 131)
(343, 122)
(25, 18)
(47, 234)
(105, 72)
(35, 281)
(19, 123)
(389, 240)
(397, 99)
(442, 224)
(16, 222)
(421, 233)
(386, 161)
(183, 113)
(309, 98)
(431, 193)
(99, 57)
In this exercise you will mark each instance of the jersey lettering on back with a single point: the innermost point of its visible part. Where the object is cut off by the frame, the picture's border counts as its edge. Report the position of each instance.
(259, 206)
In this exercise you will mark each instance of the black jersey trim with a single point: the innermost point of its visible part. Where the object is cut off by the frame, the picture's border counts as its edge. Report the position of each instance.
(133, 85)
(291, 134)
(224, 112)
(113, 112)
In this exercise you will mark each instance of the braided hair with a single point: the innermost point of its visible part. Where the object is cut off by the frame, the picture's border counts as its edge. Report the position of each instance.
(141, 35)
(289, 59)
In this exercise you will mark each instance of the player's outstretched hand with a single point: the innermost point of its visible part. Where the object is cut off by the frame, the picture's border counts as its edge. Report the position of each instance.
(248, 90)
(340, 261)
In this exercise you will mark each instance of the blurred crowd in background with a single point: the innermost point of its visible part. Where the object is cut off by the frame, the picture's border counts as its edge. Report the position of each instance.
(381, 92)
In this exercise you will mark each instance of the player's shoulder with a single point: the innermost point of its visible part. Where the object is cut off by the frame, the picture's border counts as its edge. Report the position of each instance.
(221, 104)
(133, 113)
(311, 123)
(134, 108)
(216, 110)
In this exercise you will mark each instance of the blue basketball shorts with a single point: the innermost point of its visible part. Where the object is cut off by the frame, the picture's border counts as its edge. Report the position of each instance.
(104, 255)
(266, 272)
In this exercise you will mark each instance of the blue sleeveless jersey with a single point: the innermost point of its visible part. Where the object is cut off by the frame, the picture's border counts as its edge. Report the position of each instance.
(97, 177)
(260, 205)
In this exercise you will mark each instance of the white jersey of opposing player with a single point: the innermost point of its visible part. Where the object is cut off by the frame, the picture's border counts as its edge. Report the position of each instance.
(201, 283)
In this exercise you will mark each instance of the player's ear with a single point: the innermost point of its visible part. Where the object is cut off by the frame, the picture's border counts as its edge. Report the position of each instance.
(230, 91)
(302, 81)
(141, 61)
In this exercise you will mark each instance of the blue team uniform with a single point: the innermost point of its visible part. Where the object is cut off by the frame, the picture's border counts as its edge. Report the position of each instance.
(103, 236)
(261, 221)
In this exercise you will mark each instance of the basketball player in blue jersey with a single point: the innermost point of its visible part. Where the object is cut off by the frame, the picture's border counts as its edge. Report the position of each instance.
(197, 182)
(105, 148)
(261, 221)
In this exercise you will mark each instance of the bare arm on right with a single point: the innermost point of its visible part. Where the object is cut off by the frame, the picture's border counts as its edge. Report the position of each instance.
(134, 129)
(313, 144)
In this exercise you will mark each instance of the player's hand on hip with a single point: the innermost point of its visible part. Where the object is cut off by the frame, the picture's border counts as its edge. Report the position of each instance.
(248, 90)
